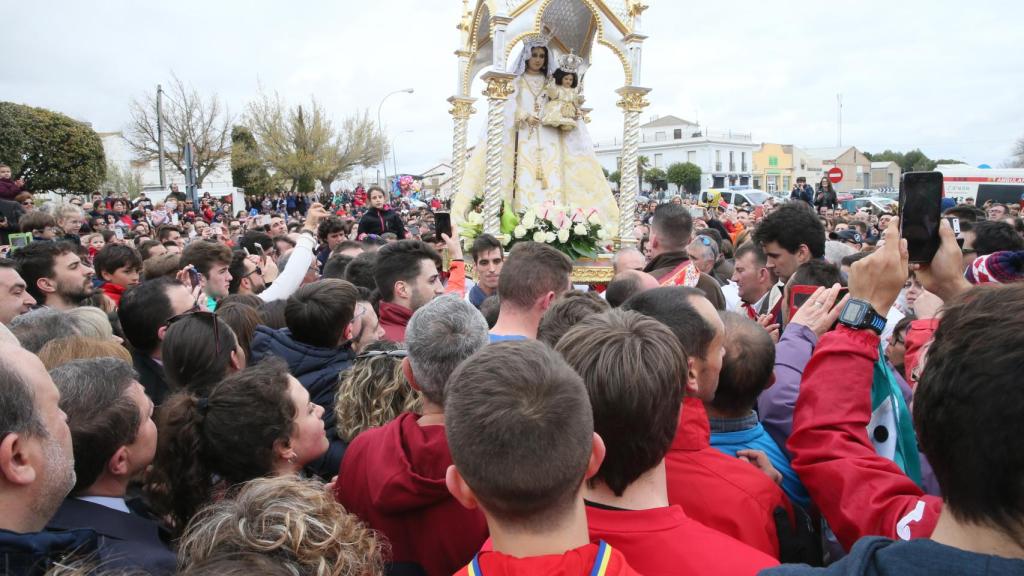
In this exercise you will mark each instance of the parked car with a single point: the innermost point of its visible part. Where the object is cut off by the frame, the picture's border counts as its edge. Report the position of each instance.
(750, 196)
(875, 204)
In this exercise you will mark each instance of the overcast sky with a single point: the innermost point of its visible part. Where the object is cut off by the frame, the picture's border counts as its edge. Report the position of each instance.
(945, 76)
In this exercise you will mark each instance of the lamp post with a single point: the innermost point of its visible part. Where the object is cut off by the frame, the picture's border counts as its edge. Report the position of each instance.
(394, 151)
(380, 128)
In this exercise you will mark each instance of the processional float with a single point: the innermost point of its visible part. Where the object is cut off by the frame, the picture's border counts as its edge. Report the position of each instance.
(492, 29)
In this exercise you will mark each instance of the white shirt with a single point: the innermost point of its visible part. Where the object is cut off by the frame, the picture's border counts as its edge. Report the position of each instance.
(107, 502)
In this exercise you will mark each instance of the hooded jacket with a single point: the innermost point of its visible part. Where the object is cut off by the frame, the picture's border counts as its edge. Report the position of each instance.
(317, 369)
(875, 556)
(719, 491)
(393, 319)
(34, 553)
(381, 221)
(393, 478)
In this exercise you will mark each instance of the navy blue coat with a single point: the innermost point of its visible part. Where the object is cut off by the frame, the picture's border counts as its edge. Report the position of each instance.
(318, 370)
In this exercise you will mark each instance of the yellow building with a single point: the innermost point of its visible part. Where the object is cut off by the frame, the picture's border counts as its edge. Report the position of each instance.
(777, 166)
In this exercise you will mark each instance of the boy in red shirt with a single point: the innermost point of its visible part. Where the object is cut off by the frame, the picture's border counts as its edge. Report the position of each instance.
(118, 266)
(632, 366)
(522, 439)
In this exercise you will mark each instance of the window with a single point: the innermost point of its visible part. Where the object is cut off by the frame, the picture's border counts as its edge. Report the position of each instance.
(658, 159)
(757, 182)
(691, 156)
(772, 183)
(660, 137)
(677, 134)
(718, 160)
(732, 161)
(743, 160)
(773, 161)
(785, 182)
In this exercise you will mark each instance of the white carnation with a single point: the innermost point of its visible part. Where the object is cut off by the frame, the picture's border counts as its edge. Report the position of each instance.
(594, 218)
(550, 237)
(563, 235)
(520, 231)
(538, 236)
(529, 219)
(580, 229)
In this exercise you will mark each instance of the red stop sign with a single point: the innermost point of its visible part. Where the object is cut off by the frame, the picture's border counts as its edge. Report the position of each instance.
(835, 175)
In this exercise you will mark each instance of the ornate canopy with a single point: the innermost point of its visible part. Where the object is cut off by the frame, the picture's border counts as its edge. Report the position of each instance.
(574, 25)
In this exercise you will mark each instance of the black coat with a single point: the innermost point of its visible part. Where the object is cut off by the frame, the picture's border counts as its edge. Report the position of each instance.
(317, 369)
(377, 222)
(126, 540)
(826, 198)
(34, 553)
(151, 376)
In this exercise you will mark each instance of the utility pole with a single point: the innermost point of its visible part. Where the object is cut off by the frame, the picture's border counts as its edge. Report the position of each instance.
(839, 125)
(160, 133)
(190, 178)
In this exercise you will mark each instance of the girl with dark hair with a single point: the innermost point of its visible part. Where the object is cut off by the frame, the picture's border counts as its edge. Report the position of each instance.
(825, 196)
(380, 218)
(256, 423)
(199, 350)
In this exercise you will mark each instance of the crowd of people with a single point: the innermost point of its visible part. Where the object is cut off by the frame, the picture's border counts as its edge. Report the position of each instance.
(325, 385)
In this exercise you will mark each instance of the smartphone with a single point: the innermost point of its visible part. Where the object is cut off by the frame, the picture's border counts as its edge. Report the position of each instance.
(20, 240)
(216, 226)
(954, 223)
(119, 232)
(696, 212)
(443, 224)
(920, 213)
(799, 294)
(194, 277)
(174, 218)
(265, 220)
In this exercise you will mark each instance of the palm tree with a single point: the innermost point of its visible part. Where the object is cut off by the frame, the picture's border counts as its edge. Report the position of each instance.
(642, 162)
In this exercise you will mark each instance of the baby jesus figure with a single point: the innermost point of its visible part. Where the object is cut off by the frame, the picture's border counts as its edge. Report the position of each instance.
(564, 100)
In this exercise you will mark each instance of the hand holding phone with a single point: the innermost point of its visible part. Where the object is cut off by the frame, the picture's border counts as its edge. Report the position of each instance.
(442, 223)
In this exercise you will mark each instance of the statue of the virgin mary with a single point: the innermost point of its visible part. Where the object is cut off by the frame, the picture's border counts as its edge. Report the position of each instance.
(540, 163)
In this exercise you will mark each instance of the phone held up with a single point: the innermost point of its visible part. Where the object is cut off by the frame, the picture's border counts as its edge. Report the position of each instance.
(443, 224)
(920, 214)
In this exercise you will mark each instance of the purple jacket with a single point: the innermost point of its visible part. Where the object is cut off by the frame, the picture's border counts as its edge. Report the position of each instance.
(8, 189)
(776, 404)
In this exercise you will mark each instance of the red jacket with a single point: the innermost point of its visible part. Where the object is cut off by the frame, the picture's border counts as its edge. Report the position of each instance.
(575, 562)
(720, 491)
(919, 335)
(859, 492)
(393, 477)
(664, 541)
(393, 319)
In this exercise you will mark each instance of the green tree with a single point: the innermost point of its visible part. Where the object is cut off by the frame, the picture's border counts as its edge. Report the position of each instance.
(685, 175)
(1017, 159)
(187, 118)
(122, 182)
(248, 170)
(912, 161)
(49, 150)
(656, 178)
(615, 178)
(642, 162)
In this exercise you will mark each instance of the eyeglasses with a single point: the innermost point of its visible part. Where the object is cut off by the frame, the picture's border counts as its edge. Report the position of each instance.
(196, 311)
(400, 353)
(256, 270)
(704, 240)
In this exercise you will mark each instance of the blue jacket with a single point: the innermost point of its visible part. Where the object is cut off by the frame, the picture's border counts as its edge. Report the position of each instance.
(877, 556)
(749, 434)
(34, 553)
(318, 369)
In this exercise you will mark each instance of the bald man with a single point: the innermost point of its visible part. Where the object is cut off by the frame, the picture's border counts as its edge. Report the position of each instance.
(628, 259)
(626, 284)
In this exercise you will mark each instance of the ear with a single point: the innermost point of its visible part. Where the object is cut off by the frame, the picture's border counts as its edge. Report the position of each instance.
(14, 465)
(459, 489)
(803, 254)
(544, 302)
(104, 276)
(597, 452)
(691, 388)
(46, 285)
(283, 449)
(160, 332)
(347, 335)
(409, 376)
(401, 289)
(118, 465)
(235, 362)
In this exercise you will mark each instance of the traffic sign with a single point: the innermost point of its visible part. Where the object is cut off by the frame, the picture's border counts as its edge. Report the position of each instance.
(835, 174)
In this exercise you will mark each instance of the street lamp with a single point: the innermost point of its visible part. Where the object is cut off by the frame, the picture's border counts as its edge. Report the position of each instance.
(394, 150)
(380, 127)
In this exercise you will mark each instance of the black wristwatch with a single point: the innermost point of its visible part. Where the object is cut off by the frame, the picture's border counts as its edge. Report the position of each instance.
(858, 314)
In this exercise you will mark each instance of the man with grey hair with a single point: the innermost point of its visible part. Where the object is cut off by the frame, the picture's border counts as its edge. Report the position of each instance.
(34, 329)
(114, 439)
(36, 467)
(628, 259)
(393, 477)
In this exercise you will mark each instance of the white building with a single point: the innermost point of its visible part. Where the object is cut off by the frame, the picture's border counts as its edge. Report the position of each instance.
(724, 157)
(119, 153)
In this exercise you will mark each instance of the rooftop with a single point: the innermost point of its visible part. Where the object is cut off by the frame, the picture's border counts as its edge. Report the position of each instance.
(668, 121)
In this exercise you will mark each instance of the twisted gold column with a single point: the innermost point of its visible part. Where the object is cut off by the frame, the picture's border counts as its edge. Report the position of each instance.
(462, 109)
(499, 88)
(632, 103)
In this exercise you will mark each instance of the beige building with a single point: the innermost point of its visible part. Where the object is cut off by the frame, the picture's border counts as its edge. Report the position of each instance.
(885, 175)
(777, 166)
(855, 166)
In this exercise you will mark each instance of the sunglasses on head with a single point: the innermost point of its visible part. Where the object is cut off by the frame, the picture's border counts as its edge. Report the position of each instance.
(400, 353)
(196, 311)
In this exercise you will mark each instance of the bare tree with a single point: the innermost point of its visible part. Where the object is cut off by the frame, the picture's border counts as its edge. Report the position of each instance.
(186, 118)
(1017, 160)
(302, 145)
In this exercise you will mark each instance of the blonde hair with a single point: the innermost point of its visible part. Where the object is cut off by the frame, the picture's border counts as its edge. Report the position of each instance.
(63, 350)
(287, 518)
(92, 322)
(373, 392)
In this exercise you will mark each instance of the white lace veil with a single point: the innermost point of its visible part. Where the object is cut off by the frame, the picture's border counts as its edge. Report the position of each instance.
(524, 54)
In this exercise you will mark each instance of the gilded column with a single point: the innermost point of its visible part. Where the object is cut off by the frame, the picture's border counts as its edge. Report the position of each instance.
(632, 103)
(499, 88)
(462, 109)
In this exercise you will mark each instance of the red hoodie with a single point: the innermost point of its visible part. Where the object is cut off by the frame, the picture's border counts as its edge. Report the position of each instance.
(393, 478)
(859, 492)
(114, 292)
(576, 562)
(720, 491)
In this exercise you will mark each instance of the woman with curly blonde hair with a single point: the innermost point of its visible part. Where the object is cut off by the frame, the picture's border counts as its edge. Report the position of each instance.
(374, 391)
(290, 520)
